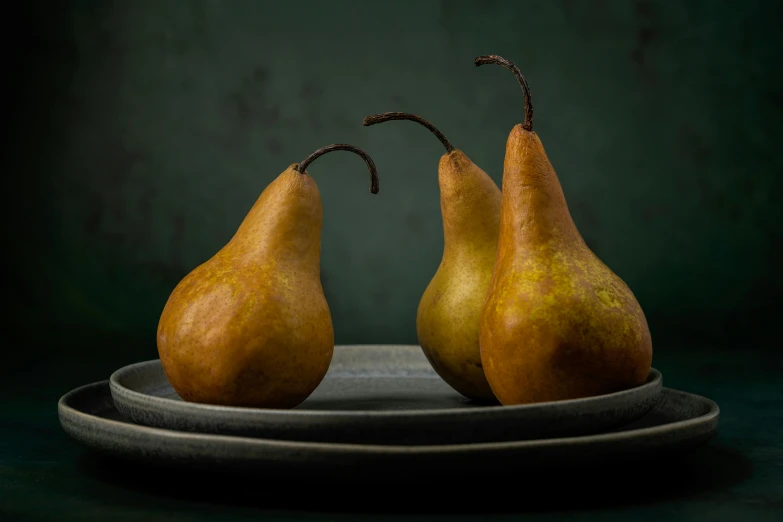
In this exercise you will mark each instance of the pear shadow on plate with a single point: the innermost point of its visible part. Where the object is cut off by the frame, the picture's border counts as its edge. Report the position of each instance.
(633, 482)
(392, 402)
(377, 403)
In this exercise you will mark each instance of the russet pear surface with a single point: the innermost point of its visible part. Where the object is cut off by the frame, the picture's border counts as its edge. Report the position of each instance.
(251, 326)
(557, 323)
(450, 308)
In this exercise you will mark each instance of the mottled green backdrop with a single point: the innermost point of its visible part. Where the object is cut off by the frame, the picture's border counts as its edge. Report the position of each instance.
(143, 131)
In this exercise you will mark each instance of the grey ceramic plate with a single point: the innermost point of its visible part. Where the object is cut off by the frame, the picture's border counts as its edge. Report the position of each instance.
(378, 394)
(678, 422)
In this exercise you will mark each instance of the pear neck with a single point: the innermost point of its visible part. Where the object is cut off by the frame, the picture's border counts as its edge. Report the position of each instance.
(535, 211)
(284, 224)
(469, 203)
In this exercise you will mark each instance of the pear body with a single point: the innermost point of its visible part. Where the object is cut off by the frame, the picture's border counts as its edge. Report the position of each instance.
(449, 312)
(251, 326)
(557, 322)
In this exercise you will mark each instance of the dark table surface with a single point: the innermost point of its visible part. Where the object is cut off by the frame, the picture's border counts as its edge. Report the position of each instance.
(45, 475)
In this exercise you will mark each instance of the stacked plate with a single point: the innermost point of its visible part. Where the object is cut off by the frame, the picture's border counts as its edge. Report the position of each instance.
(380, 410)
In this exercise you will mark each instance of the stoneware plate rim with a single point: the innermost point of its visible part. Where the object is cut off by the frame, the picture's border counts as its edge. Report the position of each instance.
(67, 412)
(654, 380)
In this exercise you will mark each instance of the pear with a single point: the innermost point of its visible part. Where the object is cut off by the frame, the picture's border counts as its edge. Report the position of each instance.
(251, 326)
(447, 320)
(557, 322)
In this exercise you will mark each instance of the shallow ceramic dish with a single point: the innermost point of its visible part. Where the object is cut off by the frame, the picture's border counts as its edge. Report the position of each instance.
(678, 422)
(378, 394)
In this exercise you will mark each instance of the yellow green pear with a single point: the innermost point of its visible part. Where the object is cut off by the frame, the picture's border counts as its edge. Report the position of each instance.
(447, 321)
(251, 326)
(557, 323)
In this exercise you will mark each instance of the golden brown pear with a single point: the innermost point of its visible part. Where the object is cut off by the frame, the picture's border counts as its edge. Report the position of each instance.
(557, 322)
(251, 326)
(448, 316)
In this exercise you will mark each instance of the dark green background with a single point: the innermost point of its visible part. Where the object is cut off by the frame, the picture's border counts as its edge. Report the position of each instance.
(139, 133)
(145, 130)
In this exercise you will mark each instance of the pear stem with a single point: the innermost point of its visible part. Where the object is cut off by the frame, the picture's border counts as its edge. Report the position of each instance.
(302, 167)
(386, 116)
(499, 60)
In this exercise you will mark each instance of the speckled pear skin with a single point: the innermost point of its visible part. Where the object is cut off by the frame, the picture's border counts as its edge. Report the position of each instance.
(450, 309)
(251, 326)
(557, 323)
